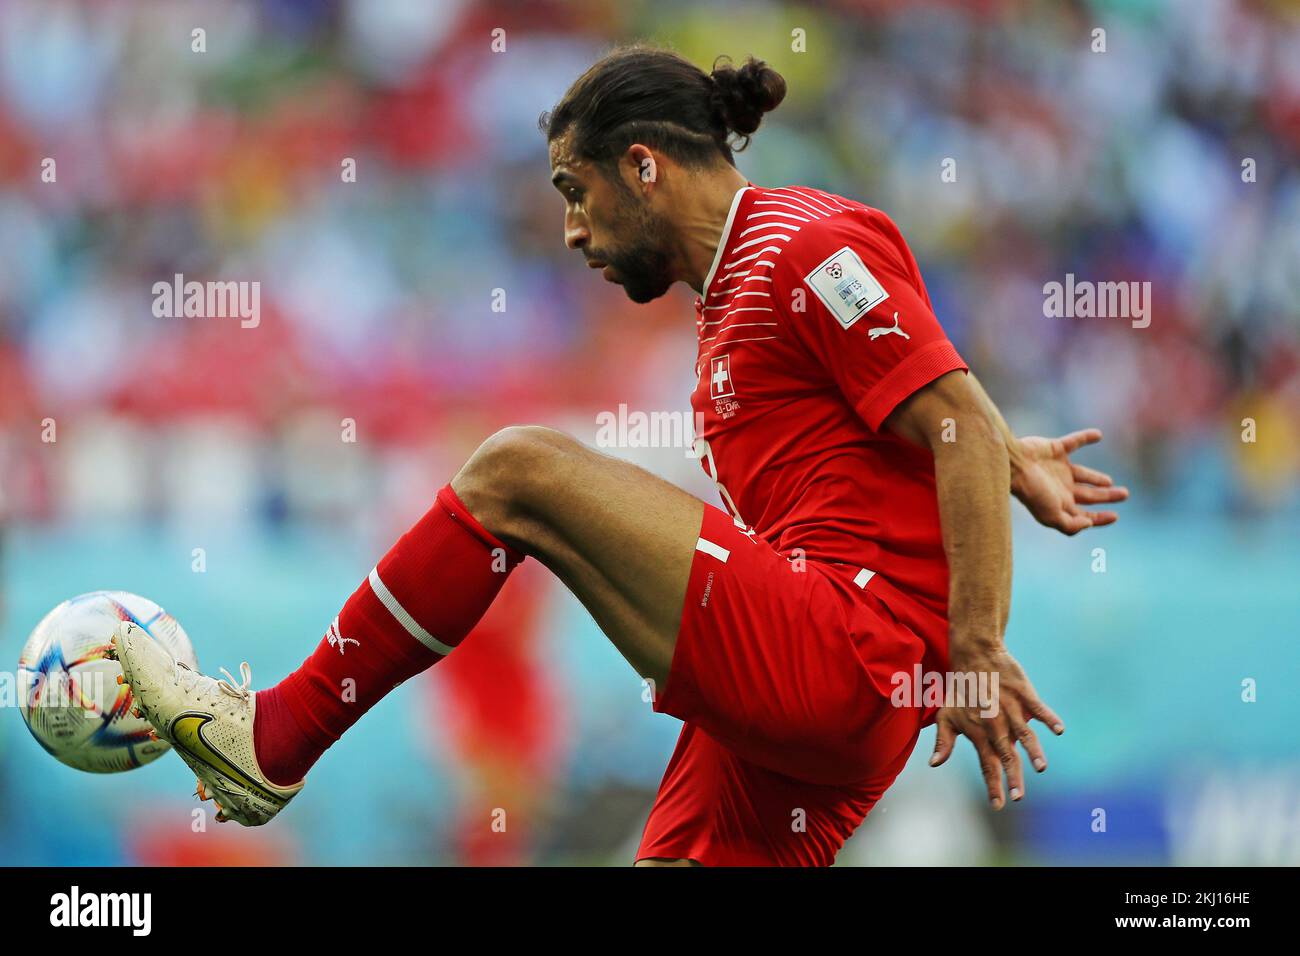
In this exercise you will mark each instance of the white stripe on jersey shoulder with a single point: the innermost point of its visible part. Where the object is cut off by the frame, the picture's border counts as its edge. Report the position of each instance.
(788, 226)
(768, 228)
(809, 205)
(822, 203)
(724, 238)
(728, 305)
(773, 233)
(761, 338)
(754, 255)
(822, 198)
(748, 308)
(810, 215)
(735, 325)
(775, 213)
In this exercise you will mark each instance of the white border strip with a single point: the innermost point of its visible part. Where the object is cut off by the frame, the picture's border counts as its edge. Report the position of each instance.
(403, 618)
(722, 240)
(716, 550)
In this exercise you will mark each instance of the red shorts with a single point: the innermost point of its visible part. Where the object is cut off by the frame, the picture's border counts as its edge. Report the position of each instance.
(782, 673)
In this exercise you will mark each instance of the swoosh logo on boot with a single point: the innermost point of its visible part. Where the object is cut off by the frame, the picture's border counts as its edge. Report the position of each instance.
(187, 731)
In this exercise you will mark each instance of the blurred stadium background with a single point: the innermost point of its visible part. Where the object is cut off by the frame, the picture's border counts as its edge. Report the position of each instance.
(177, 434)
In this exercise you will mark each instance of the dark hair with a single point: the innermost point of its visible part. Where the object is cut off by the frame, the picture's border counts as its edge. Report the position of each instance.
(653, 96)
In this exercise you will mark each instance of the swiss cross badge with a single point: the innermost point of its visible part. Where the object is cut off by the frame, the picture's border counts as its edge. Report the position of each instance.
(720, 383)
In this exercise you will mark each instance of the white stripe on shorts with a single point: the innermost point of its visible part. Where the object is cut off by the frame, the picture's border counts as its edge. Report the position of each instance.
(716, 550)
(403, 618)
(863, 577)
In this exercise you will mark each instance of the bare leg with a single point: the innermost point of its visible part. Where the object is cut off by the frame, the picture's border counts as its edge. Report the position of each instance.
(621, 539)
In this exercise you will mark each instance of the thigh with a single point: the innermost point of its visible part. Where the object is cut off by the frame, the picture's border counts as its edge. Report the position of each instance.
(621, 539)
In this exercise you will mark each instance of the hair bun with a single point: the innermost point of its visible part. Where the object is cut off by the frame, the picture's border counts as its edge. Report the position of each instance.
(745, 94)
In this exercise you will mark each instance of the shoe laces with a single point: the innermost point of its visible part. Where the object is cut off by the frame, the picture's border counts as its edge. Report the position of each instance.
(240, 690)
(192, 681)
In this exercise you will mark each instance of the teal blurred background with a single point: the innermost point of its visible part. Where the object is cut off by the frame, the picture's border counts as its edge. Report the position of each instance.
(177, 434)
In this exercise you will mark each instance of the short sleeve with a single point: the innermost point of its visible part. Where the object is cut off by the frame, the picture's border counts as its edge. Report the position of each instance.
(852, 296)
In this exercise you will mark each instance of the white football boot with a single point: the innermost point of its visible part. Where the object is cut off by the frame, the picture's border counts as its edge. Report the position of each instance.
(209, 722)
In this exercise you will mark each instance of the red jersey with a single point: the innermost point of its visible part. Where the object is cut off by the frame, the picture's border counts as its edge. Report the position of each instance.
(814, 325)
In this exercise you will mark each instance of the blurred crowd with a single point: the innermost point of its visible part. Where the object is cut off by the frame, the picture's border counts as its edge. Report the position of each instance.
(432, 299)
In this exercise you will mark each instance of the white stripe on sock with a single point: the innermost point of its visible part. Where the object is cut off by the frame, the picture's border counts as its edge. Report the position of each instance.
(403, 618)
(717, 550)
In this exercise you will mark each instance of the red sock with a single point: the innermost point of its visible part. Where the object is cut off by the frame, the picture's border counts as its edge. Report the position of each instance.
(421, 600)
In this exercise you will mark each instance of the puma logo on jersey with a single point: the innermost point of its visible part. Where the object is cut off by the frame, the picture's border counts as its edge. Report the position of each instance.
(338, 640)
(886, 329)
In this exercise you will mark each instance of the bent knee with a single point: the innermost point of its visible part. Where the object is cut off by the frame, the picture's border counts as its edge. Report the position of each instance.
(511, 470)
(515, 442)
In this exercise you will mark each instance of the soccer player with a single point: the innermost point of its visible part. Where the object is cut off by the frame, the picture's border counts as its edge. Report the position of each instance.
(866, 535)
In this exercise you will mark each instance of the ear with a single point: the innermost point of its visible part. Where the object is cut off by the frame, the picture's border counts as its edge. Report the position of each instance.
(642, 165)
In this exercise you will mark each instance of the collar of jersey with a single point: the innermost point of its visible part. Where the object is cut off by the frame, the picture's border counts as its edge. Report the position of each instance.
(726, 236)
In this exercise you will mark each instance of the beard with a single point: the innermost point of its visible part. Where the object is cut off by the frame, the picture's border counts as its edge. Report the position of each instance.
(642, 265)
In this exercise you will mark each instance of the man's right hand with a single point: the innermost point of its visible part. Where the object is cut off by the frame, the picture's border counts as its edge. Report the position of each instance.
(996, 723)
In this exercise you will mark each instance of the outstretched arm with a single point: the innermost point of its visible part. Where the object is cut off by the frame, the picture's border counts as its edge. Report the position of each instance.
(971, 476)
(1048, 484)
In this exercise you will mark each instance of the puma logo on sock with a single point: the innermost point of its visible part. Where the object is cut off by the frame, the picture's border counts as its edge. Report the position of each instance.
(338, 640)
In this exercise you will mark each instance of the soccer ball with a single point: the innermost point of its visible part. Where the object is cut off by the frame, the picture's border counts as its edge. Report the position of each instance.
(68, 689)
